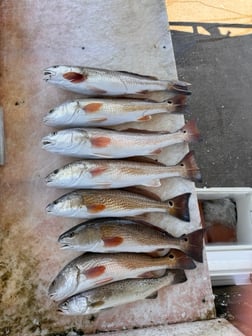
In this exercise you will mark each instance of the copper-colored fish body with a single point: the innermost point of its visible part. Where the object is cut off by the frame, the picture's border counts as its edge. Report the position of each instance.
(100, 174)
(106, 112)
(92, 270)
(103, 143)
(106, 235)
(90, 203)
(103, 82)
(118, 293)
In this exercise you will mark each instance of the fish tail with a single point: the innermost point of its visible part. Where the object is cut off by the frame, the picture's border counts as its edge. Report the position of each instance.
(179, 276)
(177, 104)
(178, 87)
(191, 132)
(191, 171)
(192, 244)
(178, 207)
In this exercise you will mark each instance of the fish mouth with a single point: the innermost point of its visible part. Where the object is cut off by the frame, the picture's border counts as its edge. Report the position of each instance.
(65, 246)
(49, 208)
(48, 74)
(47, 143)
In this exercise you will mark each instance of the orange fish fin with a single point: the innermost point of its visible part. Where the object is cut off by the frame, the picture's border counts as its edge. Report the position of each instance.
(97, 171)
(152, 274)
(178, 207)
(113, 241)
(97, 90)
(144, 118)
(192, 171)
(97, 304)
(94, 208)
(75, 77)
(92, 107)
(100, 141)
(94, 272)
(191, 132)
(192, 244)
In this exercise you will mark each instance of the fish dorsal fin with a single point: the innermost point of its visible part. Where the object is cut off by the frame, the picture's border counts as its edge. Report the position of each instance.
(142, 131)
(145, 159)
(138, 75)
(143, 192)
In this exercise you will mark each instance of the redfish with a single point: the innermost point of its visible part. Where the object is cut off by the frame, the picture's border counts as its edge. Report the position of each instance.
(89, 203)
(103, 143)
(99, 174)
(128, 235)
(118, 293)
(106, 112)
(95, 269)
(103, 82)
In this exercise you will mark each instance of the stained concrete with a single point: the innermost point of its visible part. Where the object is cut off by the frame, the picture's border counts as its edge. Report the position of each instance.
(218, 64)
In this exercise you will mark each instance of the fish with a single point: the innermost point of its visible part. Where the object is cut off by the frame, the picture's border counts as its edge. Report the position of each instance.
(90, 203)
(108, 112)
(103, 82)
(110, 174)
(103, 143)
(92, 270)
(107, 235)
(118, 293)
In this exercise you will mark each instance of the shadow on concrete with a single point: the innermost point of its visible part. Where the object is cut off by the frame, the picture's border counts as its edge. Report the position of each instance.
(219, 68)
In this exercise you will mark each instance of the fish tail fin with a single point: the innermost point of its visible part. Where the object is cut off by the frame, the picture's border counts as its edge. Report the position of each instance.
(179, 87)
(177, 104)
(191, 132)
(177, 259)
(191, 170)
(178, 207)
(192, 244)
(179, 276)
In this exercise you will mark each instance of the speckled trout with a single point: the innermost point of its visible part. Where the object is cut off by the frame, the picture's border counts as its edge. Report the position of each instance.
(128, 235)
(89, 203)
(118, 293)
(95, 269)
(104, 143)
(100, 174)
(103, 82)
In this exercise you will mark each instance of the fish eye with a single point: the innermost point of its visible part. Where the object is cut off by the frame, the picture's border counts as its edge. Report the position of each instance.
(54, 202)
(185, 239)
(56, 171)
(51, 111)
(171, 204)
(171, 256)
(55, 66)
(71, 234)
(53, 133)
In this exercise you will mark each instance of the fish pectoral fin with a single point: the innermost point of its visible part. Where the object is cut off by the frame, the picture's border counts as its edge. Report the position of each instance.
(153, 183)
(112, 241)
(100, 141)
(97, 90)
(95, 208)
(97, 304)
(144, 118)
(156, 151)
(75, 77)
(152, 296)
(97, 171)
(92, 107)
(94, 272)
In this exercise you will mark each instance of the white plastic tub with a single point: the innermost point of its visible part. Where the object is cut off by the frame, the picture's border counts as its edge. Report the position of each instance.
(232, 263)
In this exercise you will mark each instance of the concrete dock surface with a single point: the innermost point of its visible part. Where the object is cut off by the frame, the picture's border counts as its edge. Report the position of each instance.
(212, 43)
